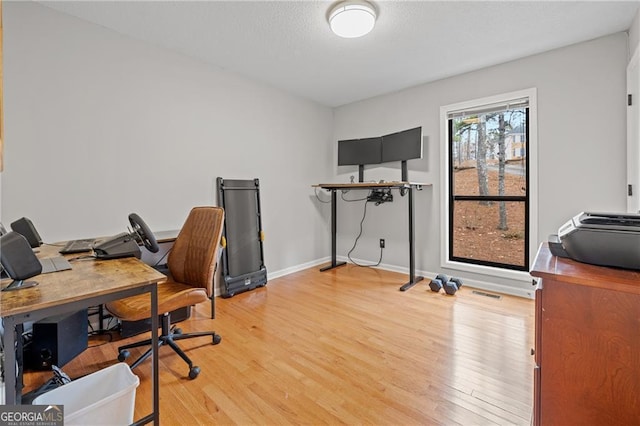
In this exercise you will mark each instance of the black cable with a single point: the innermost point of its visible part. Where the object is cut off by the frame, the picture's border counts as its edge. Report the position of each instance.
(342, 192)
(106, 332)
(319, 199)
(163, 256)
(355, 243)
(357, 199)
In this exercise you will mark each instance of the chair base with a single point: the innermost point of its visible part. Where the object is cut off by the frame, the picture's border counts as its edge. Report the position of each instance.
(168, 336)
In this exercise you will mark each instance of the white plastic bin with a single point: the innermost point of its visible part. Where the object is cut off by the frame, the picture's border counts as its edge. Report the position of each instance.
(106, 397)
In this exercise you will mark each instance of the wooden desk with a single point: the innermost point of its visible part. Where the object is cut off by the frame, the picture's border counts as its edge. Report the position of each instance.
(404, 188)
(587, 343)
(89, 283)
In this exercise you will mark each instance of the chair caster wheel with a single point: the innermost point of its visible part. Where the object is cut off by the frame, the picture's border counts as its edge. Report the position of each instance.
(216, 339)
(123, 355)
(177, 330)
(193, 372)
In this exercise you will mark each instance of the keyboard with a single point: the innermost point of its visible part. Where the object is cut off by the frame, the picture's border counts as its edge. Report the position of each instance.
(78, 246)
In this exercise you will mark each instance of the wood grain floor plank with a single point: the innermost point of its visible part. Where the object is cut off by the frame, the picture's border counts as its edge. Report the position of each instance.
(343, 347)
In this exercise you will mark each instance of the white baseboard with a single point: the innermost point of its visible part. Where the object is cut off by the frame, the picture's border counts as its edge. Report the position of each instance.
(297, 268)
(280, 273)
(470, 282)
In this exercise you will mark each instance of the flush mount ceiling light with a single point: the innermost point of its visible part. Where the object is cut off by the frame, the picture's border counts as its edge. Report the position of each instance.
(352, 18)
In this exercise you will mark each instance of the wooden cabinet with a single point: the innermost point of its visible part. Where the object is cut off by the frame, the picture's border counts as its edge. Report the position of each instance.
(587, 343)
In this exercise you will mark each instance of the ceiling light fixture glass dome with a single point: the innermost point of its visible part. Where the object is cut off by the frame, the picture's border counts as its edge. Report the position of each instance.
(352, 18)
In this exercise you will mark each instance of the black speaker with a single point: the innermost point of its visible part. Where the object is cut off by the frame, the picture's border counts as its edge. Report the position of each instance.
(57, 340)
(18, 260)
(3, 231)
(25, 227)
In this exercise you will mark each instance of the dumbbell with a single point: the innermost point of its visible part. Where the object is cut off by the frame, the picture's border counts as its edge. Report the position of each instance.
(438, 282)
(452, 285)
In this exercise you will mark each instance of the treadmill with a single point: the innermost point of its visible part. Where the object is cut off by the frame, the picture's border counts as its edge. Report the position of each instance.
(243, 266)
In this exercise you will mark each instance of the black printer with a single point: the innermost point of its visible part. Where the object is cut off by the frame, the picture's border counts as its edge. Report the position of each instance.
(605, 239)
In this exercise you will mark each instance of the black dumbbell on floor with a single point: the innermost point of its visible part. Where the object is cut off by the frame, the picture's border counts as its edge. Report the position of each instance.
(452, 285)
(438, 282)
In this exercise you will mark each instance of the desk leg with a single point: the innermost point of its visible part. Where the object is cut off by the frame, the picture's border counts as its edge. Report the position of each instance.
(413, 280)
(155, 415)
(334, 211)
(154, 345)
(12, 396)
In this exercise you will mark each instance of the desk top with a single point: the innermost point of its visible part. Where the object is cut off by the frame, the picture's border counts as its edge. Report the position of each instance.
(548, 266)
(87, 278)
(166, 236)
(367, 185)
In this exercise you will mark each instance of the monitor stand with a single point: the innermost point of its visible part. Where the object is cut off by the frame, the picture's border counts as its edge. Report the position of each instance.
(19, 284)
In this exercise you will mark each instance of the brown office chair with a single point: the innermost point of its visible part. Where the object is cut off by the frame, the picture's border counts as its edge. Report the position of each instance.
(191, 264)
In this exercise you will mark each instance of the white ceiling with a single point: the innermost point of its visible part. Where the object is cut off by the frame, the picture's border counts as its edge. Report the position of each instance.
(288, 44)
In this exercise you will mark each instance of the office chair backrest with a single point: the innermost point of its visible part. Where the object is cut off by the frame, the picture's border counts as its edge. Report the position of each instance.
(193, 258)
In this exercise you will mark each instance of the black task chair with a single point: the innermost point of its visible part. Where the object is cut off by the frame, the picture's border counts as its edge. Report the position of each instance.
(191, 263)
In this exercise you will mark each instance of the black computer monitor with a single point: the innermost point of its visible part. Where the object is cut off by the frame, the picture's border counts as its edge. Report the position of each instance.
(402, 146)
(356, 152)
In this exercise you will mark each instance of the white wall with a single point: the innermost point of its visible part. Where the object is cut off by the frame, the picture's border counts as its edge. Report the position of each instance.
(99, 125)
(634, 34)
(582, 146)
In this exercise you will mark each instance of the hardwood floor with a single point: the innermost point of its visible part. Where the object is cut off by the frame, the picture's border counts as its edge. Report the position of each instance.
(345, 347)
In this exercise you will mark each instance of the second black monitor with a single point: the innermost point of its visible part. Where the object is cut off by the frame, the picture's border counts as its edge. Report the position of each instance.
(402, 146)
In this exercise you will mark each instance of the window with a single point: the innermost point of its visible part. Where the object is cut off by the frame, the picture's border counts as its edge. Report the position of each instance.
(487, 191)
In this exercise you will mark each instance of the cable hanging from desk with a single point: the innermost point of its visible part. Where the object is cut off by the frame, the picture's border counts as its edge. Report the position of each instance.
(406, 186)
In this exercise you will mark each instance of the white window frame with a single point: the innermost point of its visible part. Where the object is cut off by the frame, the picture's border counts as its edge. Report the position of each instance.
(633, 133)
(532, 153)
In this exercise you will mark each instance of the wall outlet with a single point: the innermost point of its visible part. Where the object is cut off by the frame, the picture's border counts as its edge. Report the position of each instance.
(381, 242)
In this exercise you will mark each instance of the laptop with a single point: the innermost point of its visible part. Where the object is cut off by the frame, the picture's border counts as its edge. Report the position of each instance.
(54, 264)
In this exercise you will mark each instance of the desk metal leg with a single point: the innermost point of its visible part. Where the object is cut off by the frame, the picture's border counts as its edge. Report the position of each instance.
(155, 366)
(13, 326)
(155, 416)
(334, 211)
(413, 280)
(12, 396)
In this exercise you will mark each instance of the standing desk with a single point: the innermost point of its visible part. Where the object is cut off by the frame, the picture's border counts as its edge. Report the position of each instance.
(404, 188)
(88, 283)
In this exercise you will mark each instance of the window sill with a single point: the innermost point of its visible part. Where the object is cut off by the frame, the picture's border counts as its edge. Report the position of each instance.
(522, 276)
